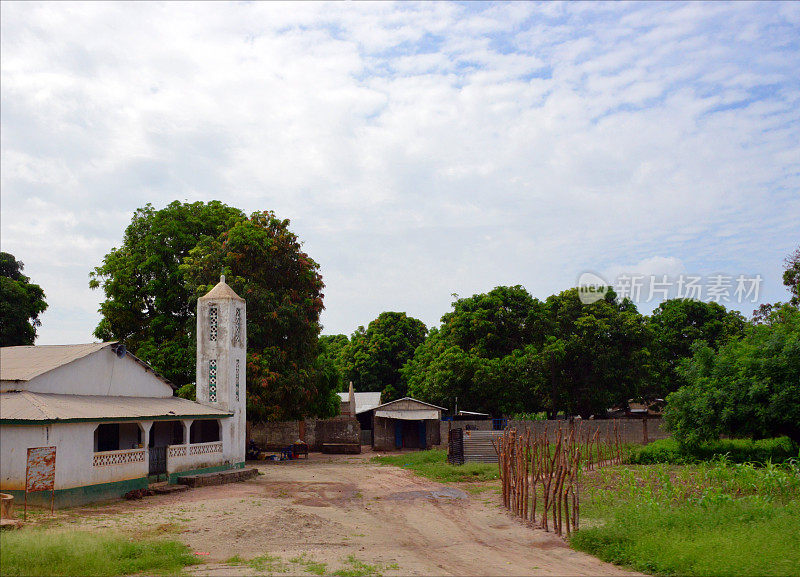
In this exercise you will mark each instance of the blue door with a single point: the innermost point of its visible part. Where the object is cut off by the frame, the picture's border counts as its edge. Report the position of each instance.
(398, 434)
(422, 443)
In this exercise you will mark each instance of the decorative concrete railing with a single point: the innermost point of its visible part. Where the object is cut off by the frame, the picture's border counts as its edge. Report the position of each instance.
(107, 458)
(197, 455)
(205, 448)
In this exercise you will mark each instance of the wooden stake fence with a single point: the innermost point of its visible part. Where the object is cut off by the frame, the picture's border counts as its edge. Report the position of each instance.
(540, 476)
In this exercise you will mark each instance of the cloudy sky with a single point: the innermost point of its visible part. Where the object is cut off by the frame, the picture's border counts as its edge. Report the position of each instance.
(419, 150)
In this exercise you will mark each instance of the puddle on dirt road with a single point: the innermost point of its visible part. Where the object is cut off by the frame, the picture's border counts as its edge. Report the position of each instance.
(444, 493)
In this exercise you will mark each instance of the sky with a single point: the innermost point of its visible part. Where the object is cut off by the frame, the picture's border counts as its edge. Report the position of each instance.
(421, 151)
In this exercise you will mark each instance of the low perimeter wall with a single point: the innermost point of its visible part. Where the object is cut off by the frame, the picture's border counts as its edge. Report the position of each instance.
(640, 431)
(315, 432)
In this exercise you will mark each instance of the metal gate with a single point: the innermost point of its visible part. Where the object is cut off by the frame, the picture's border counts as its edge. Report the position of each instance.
(158, 460)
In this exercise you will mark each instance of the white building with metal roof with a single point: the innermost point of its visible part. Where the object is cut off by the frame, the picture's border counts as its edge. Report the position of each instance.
(114, 422)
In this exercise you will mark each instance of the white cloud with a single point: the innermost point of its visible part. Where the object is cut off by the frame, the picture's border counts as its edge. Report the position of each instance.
(419, 149)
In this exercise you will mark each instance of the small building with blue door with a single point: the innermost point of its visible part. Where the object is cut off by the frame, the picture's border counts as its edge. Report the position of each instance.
(406, 424)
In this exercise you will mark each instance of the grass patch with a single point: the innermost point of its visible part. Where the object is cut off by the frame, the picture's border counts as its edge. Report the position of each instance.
(763, 451)
(311, 566)
(708, 519)
(44, 553)
(263, 563)
(433, 465)
(356, 568)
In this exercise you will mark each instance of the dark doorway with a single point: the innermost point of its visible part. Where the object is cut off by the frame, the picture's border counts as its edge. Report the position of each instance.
(204, 431)
(409, 434)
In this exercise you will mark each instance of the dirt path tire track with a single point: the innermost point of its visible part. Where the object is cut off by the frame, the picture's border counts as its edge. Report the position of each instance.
(329, 507)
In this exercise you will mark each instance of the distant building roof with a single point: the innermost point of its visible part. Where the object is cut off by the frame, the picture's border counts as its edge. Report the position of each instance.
(221, 291)
(364, 401)
(26, 362)
(21, 406)
(410, 399)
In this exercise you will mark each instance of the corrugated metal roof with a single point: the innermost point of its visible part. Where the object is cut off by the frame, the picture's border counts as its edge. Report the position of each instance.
(26, 362)
(410, 399)
(409, 415)
(19, 406)
(364, 401)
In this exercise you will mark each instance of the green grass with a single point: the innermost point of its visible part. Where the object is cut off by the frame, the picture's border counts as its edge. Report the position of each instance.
(356, 568)
(263, 563)
(40, 552)
(433, 465)
(778, 450)
(311, 566)
(709, 519)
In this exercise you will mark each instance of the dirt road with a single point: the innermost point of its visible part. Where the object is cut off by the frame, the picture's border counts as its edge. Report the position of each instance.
(329, 508)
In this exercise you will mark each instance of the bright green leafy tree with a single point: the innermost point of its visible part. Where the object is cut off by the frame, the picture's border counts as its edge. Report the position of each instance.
(21, 303)
(749, 388)
(147, 304)
(505, 352)
(374, 356)
(676, 324)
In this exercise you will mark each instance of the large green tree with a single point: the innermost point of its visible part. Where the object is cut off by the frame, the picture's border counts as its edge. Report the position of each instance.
(21, 303)
(484, 356)
(374, 356)
(505, 352)
(147, 303)
(596, 355)
(750, 387)
(172, 256)
(676, 324)
(265, 264)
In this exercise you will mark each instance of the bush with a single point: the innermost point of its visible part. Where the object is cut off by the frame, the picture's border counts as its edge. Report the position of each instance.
(777, 450)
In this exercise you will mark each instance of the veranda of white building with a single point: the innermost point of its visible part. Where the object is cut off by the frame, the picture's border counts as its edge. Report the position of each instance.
(114, 422)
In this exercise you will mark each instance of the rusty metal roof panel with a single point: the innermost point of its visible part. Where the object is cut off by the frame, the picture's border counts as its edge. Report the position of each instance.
(19, 407)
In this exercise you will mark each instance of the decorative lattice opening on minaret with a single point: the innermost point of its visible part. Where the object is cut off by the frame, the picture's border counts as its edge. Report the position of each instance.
(237, 326)
(237, 377)
(213, 322)
(212, 380)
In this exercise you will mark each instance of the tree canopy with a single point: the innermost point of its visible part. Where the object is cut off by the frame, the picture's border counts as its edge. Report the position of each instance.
(147, 303)
(749, 388)
(374, 356)
(676, 324)
(506, 352)
(172, 256)
(21, 303)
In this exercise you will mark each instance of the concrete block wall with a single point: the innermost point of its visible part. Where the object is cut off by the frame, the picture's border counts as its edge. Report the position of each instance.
(631, 430)
(276, 435)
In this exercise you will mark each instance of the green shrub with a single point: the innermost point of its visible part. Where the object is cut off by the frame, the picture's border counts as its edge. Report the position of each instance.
(778, 450)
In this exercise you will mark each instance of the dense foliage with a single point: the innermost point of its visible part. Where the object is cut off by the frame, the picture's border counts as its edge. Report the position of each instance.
(749, 388)
(505, 352)
(760, 451)
(147, 303)
(172, 256)
(678, 323)
(373, 357)
(21, 303)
